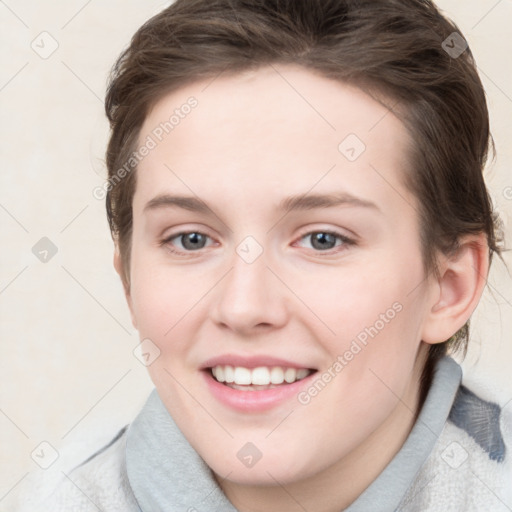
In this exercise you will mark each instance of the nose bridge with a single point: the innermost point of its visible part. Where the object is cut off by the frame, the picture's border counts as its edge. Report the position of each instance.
(250, 295)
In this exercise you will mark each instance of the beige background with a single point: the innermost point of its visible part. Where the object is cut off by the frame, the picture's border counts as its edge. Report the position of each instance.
(68, 374)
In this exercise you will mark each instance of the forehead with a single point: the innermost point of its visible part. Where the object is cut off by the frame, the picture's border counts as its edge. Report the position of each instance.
(275, 127)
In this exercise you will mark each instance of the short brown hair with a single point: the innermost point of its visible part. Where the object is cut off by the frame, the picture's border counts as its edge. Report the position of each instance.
(393, 48)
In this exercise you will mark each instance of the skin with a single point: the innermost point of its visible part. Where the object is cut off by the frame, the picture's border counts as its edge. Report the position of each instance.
(252, 141)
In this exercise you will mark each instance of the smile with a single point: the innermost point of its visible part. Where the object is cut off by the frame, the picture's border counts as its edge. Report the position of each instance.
(255, 379)
(255, 384)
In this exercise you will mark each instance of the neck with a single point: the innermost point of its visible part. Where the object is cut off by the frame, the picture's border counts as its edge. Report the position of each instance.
(338, 486)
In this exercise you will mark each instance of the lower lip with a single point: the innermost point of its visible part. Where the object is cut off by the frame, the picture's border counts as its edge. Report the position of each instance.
(254, 401)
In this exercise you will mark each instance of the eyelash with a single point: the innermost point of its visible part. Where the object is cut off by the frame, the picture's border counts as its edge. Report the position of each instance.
(346, 241)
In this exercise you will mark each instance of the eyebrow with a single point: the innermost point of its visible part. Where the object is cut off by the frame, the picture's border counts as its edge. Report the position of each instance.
(186, 202)
(312, 201)
(292, 203)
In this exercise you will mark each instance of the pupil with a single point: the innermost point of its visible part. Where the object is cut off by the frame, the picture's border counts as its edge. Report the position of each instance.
(323, 241)
(193, 241)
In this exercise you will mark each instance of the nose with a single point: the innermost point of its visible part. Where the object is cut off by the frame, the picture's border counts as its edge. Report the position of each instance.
(250, 299)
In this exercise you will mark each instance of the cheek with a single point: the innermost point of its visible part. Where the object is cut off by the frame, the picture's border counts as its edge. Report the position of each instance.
(161, 301)
(356, 301)
(374, 316)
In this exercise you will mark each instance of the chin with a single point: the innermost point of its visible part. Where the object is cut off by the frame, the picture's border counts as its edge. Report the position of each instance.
(266, 471)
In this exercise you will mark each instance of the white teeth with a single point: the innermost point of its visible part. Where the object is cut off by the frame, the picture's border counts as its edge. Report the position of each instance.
(276, 375)
(229, 374)
(219, 373)
(302, 373)
(290, 374)
(260, 376)
(242, 376)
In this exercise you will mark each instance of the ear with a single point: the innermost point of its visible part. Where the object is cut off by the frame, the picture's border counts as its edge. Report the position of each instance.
(457, 290)
(119, 266)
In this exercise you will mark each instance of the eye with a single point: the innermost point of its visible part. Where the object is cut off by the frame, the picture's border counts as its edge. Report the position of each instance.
(325, 240)
(187, 241)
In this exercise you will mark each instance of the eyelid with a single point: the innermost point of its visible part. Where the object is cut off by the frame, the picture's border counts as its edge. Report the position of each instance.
(333, 231)
(187, 232)
(202, 230)
(166, 241)
(346, 240)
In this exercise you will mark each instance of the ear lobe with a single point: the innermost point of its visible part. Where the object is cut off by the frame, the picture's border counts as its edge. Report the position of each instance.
(118, 265)
(458, 289)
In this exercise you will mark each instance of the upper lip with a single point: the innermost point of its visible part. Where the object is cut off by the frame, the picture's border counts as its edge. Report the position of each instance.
(254, 361)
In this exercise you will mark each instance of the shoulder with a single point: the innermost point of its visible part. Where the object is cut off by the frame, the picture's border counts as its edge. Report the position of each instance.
(98, 483)
(470, 467)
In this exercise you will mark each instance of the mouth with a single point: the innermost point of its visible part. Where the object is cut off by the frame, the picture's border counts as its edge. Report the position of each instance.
(257, 379)
(255, 383)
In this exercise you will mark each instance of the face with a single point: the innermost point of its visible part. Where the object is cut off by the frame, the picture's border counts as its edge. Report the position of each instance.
(273, 238)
